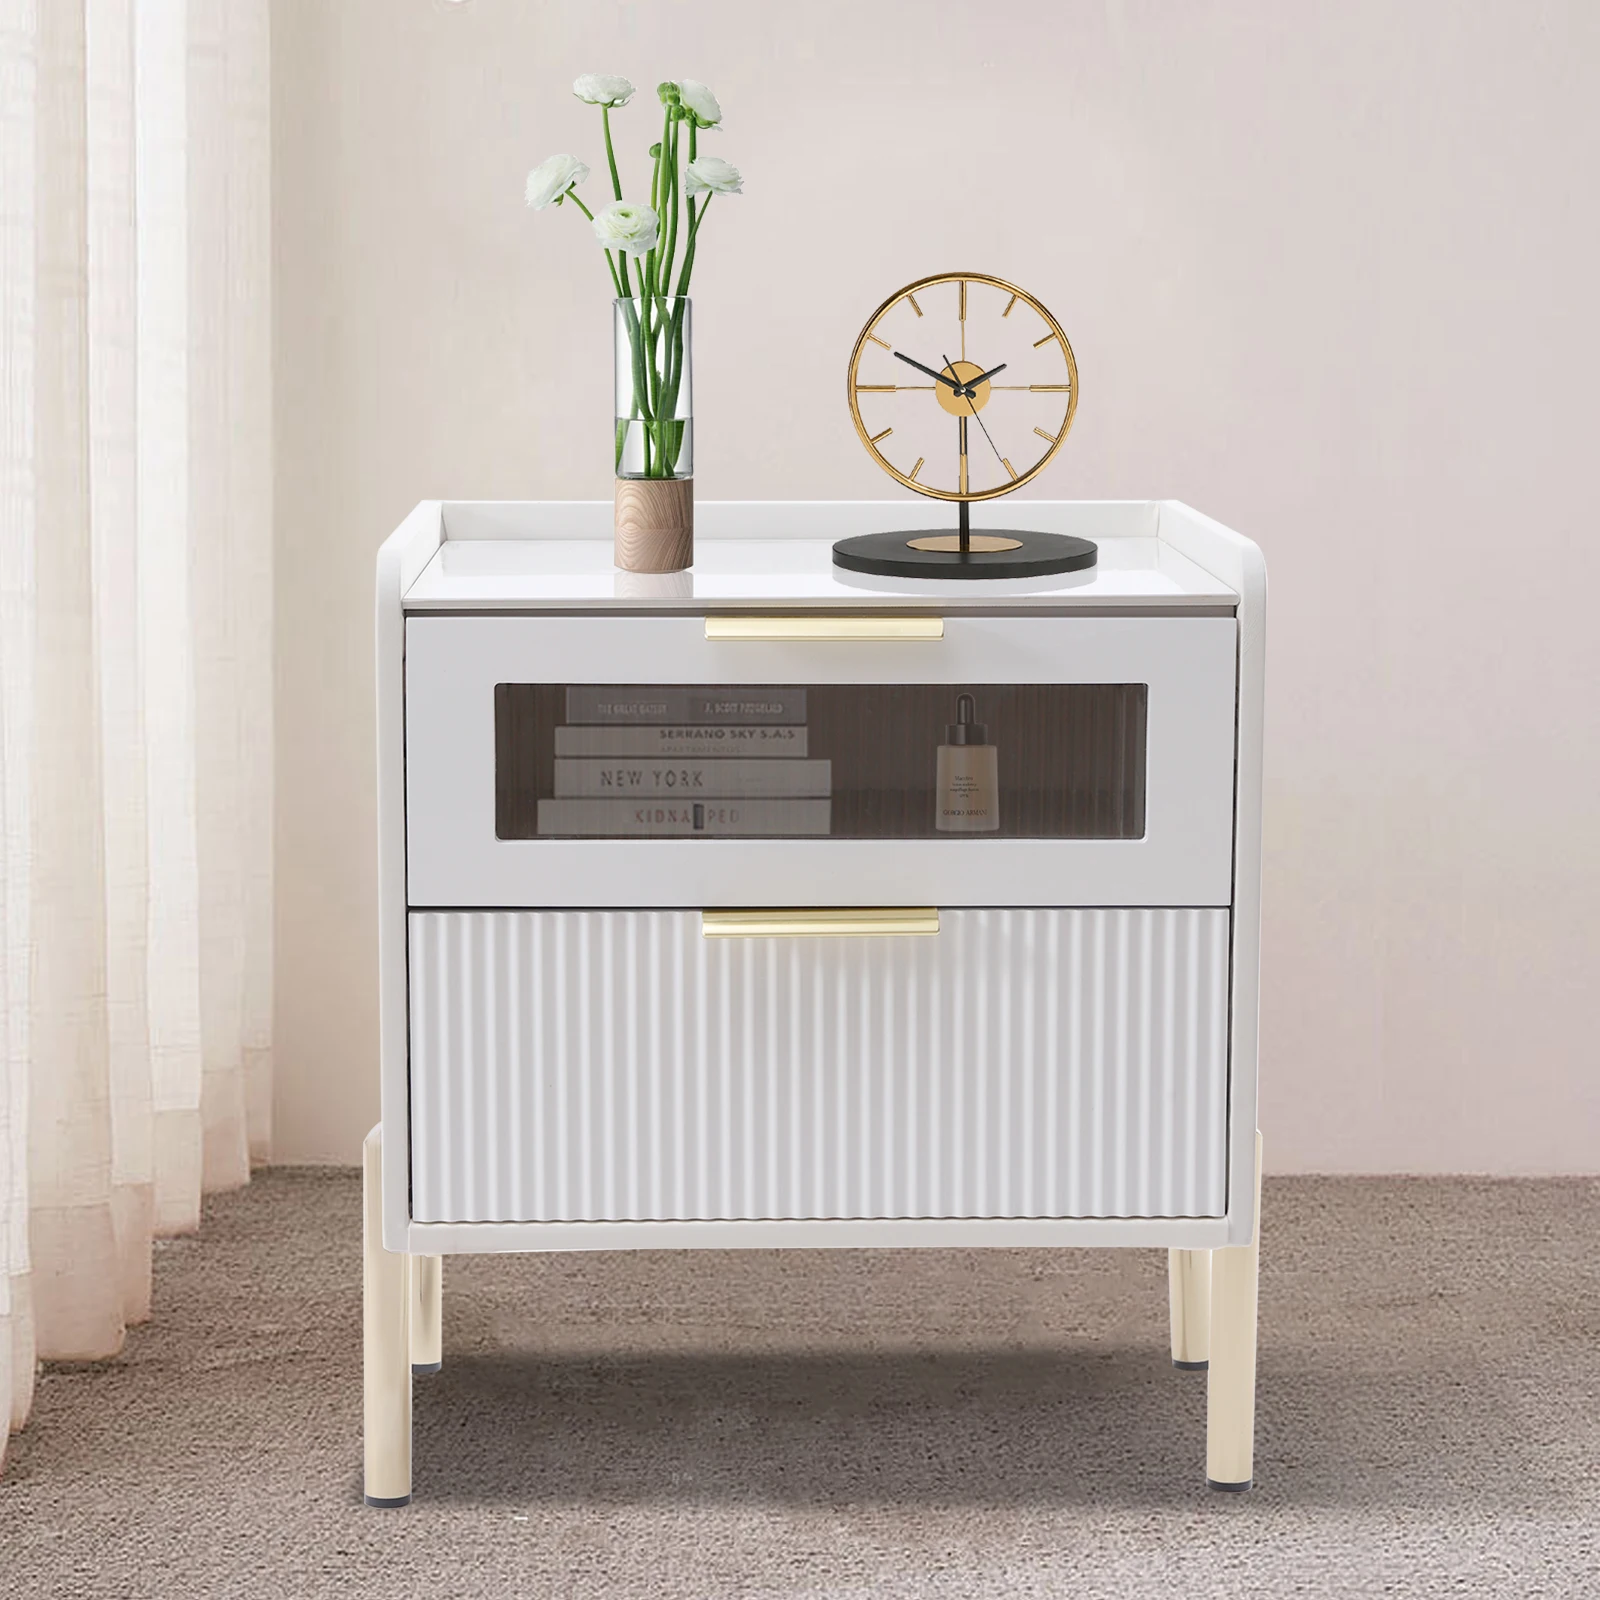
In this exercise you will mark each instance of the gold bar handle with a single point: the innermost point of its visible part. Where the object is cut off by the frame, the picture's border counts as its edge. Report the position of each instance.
(833, 922)
(780, 628)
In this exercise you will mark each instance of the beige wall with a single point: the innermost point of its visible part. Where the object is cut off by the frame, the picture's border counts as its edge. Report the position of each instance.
(1330, 274)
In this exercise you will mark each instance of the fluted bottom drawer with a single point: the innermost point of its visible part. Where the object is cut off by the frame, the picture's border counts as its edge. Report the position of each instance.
(616, 1065)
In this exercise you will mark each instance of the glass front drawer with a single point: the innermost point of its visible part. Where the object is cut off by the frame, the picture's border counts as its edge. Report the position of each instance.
(633, 761)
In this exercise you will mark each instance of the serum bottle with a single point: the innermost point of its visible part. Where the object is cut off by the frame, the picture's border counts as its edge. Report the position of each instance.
(968, 794)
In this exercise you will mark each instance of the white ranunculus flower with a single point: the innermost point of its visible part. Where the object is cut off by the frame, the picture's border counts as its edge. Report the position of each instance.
(597, 89)
(714, 174)
(700, 100)
(551, 179)
(627, 227)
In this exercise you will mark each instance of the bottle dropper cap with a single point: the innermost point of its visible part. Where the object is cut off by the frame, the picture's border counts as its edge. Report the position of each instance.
(964, 730)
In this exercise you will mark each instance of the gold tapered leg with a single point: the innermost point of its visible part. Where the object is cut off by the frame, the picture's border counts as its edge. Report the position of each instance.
(427, 1294)
(1231, 1385)
(386, 1345)
(1189, 1306)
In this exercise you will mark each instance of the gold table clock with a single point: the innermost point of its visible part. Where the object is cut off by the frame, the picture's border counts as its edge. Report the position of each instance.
(963, 387)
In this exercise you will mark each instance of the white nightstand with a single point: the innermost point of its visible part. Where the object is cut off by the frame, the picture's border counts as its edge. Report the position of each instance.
(768, 904)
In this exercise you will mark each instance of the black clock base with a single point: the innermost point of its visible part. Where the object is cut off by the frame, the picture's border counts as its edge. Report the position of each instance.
(1022, 554)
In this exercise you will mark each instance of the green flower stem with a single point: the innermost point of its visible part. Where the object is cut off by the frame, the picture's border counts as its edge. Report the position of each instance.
(652, 406)
(663, 401)
(636, 361)
(675, 341)
(676, 335)
(658, 195)
(652, 386)
(670, 222)
(625, 295)
(688, 243)
(694, 232)
(618, 284)
(611, 155)
(636, 352)
(654, 310)
(674, 377)
(670, 429)
(650, 286)
(662, 180)
(688, 246)
(658, 361)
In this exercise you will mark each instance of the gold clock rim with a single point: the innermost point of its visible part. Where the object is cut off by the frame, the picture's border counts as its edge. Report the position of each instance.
(955, 494)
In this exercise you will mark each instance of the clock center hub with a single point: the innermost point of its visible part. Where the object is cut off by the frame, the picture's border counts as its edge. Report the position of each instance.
(960, 405)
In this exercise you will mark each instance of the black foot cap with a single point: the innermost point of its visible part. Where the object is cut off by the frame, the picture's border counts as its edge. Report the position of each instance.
(374, 1500)
(1230, 1488)
(1191, 1366)
(427, 1366)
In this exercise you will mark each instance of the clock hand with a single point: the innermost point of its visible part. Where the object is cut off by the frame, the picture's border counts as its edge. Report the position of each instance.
(984, 377)
(966, 394)
(948, 382)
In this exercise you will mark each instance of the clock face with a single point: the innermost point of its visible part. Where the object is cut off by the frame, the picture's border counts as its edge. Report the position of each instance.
(962, 386)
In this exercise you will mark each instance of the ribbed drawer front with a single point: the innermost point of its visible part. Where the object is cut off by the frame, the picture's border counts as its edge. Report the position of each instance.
(616, 1065)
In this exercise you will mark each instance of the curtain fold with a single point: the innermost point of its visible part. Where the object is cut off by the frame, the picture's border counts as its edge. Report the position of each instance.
(135, 629)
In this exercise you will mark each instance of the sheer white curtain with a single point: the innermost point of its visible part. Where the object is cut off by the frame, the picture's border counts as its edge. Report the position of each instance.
(135, 626)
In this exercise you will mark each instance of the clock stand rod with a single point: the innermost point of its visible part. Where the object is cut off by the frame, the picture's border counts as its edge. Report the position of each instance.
(966, 527)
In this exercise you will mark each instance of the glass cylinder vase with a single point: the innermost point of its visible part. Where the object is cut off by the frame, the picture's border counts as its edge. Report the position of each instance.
(654, 388)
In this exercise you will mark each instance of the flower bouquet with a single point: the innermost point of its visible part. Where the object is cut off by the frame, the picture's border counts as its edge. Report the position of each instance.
(643, 246)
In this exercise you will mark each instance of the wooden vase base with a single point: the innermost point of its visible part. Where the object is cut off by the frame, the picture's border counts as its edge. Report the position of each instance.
(655, 524)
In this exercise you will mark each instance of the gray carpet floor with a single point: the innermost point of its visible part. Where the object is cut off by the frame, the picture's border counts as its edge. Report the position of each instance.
(840, 1424)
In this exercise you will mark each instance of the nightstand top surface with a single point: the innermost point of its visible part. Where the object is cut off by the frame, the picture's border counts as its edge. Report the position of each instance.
(558, 556)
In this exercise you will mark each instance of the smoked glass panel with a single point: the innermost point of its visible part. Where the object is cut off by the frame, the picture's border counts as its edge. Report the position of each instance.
(842, 761)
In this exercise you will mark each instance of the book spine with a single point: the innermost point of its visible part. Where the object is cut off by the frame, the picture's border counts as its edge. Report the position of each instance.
(692, 780)
(609, 705)
(666, 740)
(613, 819)
(747, 705)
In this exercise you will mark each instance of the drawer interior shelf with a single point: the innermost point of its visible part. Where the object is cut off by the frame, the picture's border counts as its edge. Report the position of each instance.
(846, 761)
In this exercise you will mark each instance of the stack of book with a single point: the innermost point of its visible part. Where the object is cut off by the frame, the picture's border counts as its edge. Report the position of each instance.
(643, 760)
